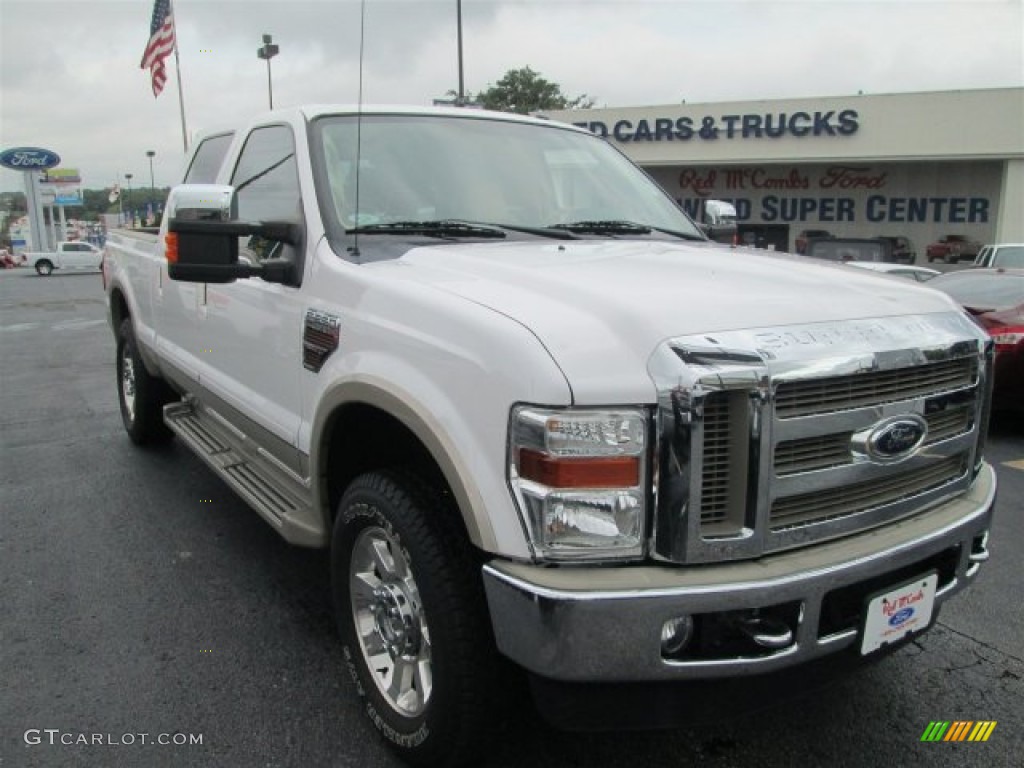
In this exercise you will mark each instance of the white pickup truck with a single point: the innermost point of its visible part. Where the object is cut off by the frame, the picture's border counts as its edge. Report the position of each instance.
(69, 255)
(536, 416)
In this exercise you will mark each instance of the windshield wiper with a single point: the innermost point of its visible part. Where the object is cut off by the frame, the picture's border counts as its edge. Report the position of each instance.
(437, 228)
(620, 228)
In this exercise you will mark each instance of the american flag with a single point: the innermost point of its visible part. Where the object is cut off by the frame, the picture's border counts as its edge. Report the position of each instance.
(160, 45)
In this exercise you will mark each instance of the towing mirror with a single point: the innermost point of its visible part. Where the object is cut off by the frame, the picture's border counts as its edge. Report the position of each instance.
(202, 237)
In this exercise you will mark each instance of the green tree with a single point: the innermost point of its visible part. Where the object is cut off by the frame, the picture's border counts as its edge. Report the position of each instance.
(525, 91)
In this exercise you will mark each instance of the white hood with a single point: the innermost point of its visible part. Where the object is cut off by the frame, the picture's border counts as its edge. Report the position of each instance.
(601, 307)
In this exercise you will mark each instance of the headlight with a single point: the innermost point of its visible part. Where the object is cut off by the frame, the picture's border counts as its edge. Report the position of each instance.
(579, 479)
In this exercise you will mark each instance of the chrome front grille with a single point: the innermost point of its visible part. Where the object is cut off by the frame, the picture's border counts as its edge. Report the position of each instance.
(771, 439)
(808, 397)
(842, 501)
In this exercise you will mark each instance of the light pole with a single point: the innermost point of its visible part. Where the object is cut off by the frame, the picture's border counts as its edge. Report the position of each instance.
(150, 153)
(128, 200)
(152, 187)
(268, 51)
(462, 87)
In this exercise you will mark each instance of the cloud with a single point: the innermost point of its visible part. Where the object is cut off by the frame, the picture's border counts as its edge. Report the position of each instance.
(70, 77)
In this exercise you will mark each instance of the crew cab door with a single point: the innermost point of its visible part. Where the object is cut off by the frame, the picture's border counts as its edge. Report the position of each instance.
(176, 303)
(251, 329)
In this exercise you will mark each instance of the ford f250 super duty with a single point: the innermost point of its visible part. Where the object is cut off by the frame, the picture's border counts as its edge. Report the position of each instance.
(537, 416)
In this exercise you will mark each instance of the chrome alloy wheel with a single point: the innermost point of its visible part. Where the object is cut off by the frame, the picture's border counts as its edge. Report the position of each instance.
(390, 622)
(128, 382)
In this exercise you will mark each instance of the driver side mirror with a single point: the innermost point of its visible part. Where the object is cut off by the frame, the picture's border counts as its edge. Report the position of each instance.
(202, 237)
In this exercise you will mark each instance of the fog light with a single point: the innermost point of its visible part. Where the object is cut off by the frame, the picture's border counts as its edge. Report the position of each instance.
(675, 635)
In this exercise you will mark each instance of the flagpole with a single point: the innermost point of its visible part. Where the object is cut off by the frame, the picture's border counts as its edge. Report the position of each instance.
(181, 95)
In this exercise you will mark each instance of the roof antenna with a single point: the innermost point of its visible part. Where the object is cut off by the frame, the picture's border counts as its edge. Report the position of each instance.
(354, 250)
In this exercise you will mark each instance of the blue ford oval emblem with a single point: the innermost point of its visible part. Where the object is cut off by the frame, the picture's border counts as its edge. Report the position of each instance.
(898, 438)
(901, 617)
(28, 159)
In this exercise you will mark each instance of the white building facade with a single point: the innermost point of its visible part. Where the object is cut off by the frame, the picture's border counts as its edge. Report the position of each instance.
(918, 165)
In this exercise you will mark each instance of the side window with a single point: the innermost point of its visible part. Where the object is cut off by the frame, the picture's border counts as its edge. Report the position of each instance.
(266, 182)
(207, 159)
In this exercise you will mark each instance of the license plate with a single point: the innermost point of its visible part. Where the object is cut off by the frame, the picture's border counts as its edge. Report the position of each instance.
(898, 612)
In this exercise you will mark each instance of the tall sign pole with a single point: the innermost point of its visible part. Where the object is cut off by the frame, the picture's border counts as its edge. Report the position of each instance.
(36, 222)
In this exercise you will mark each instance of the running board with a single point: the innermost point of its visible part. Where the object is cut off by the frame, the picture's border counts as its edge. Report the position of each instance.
(280, 497)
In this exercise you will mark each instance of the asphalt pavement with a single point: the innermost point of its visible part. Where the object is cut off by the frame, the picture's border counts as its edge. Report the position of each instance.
(139, 595)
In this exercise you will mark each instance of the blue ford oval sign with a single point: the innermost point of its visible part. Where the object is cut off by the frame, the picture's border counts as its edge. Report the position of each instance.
(898, 438)
(28, 159)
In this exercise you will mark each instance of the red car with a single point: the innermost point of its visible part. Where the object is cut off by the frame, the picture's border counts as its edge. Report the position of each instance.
(995, 297)
(953, 248)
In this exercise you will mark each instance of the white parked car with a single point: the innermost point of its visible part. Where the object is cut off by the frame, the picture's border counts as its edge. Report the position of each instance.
(69, 255)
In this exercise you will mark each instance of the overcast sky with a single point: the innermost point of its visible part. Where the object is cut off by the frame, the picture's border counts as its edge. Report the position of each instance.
(70, 79)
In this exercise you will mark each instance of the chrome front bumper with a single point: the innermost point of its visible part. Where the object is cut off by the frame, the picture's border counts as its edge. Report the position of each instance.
(604, 624)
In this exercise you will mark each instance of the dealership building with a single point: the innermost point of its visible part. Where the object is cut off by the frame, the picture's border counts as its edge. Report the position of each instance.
(920, 165)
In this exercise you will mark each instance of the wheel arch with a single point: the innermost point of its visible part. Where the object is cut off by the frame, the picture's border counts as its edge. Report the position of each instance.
(119, 309)
(391, 432)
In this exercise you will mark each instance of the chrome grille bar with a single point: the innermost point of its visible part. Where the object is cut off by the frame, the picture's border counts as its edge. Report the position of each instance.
(808, 397)
(843, 501)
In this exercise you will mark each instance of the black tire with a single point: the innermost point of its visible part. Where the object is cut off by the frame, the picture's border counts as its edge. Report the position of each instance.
(446, 716)
(44, 267)
(141, 396)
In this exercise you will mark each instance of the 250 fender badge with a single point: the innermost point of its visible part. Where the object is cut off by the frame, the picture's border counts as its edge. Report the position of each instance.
(892, 439)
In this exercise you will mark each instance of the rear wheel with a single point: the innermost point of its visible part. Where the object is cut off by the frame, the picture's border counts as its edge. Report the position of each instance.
(409, 600)
(44, 267)
(141, 396)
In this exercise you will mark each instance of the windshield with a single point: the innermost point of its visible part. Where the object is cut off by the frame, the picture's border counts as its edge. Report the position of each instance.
(428, 168)
(1009, 256)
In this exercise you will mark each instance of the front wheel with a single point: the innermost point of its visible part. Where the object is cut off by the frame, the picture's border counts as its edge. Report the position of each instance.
(409, 601)
(44, 267)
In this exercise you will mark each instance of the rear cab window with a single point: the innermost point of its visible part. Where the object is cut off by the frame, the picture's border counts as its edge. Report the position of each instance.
(208, 158)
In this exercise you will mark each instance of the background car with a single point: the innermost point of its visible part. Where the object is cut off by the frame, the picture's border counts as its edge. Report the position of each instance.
(920, 274)
(953, 248)
(808, 234)
(995, 298)
(849, 249)
(902, 248)
(1001, 255)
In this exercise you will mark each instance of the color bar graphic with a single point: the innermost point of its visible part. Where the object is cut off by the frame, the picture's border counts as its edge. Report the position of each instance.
(958, 730)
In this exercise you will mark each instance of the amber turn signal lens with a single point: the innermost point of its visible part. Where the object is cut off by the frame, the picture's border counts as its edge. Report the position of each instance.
(589, 472)
(171, 241)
